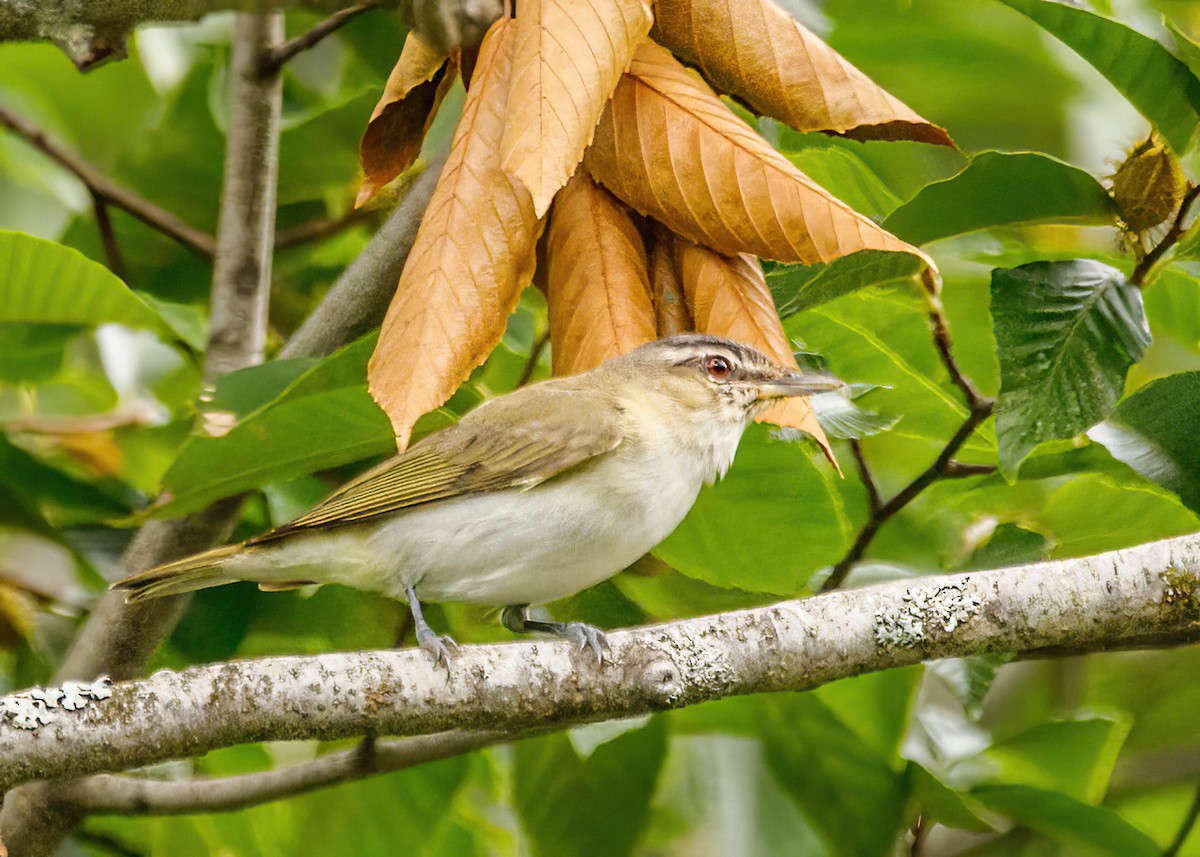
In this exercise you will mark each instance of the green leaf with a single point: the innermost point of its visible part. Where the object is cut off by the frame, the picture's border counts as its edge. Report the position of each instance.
(1009, 545)
(1158, 84)
(1070, 757)
(1189, 50)
(944, 805)
(1066, 332)
(800, 287)
(1154, 431)
(324, 418)
(572, 807)
(1001, 189)
(847, 790)
(788, 496)
(46, 283)
(1065, 819)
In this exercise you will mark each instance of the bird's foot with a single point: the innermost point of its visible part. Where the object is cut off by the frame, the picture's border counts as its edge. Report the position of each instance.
(585, 636)
(442, 648)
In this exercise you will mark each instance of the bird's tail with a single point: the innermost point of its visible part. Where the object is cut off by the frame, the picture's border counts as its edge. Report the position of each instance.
(183, 575)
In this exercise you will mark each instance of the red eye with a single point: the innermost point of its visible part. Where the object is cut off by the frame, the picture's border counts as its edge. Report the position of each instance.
(717, 368)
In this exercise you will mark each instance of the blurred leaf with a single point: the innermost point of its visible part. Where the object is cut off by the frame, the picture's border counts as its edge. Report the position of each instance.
(876, 707)
(46, 283)
(1187, 47)
(1009, 545)
(790, 500)
(1070, 757)
(941, 804)
(999, 189)
(1154, 431)
(1067, 332)
(1064, 819)
(571, 806)
(799, 287)
(244, 391)
(1093, 513)
(1173, 305)
(1158, 84)
(850, 793)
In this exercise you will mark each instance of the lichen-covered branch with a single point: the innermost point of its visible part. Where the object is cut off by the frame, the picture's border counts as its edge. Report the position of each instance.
(1129, 598)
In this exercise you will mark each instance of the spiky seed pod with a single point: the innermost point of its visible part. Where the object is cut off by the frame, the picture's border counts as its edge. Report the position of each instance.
(1148, 186)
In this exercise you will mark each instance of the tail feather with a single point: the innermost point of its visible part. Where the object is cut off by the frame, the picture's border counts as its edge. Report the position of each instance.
(199, 571)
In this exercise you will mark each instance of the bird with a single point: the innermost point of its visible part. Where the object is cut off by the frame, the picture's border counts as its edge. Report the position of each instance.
(531, 497)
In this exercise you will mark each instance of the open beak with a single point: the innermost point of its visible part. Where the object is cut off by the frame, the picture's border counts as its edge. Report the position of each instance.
(797, 384)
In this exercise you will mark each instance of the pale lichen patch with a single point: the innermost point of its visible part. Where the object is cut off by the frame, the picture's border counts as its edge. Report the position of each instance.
(1177, 585)
(947, 606)
(32, 708)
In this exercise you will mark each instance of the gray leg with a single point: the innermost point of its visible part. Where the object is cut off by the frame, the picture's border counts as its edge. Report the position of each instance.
(516, 619)
(441, 647)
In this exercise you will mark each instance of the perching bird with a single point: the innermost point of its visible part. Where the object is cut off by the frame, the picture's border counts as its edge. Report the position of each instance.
(531, 497)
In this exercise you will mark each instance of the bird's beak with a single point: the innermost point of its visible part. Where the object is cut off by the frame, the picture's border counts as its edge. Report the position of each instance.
(797, 384)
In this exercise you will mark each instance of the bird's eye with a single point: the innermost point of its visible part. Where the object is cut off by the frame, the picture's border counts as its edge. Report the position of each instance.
(717, 368)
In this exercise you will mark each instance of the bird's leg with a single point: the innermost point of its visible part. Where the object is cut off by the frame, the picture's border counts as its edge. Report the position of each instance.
(516, 619)
(441, 647)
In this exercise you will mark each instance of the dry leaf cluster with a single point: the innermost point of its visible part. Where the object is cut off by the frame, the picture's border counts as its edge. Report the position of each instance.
(586, 144)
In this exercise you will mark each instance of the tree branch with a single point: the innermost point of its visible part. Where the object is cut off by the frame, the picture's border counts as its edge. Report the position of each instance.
(127, 795)
(1174, 233)
(273, 60)
(1116, 599)
(104, 189)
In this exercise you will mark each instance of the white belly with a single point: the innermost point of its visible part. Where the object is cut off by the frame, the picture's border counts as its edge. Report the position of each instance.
(509, 547)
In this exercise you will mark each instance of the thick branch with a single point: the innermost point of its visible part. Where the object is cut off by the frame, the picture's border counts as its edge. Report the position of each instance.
(1112, 600)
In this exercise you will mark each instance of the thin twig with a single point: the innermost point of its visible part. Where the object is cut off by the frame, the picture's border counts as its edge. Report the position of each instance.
(959, 469)
(320, 229)
(907, 494)
(941, 338)
(108, 237)
(112, 193)
(535, 354)
(1185, 829)
(271, 62)
(864, 473)
(107, 843)
(1174, 233)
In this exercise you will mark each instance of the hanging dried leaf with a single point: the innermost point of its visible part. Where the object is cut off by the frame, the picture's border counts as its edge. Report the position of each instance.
(598, 287)
(670, 149)
(729, 297)
(755, 50)
(670, 306)
(569, 56)
(473, 253)
(398, 124)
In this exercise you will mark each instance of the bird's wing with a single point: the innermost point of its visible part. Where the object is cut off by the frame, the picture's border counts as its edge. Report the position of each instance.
(498, 446)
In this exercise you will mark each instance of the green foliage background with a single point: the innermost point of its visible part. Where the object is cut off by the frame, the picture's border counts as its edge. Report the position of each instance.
(100, 392)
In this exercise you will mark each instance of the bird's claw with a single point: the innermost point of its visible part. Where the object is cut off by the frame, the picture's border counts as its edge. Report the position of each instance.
(442, 648)
(587, 637)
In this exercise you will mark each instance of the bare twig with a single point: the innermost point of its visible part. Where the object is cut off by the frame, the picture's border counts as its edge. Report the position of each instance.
(941, 338)
(1185, 829)
(274, 59)
(112, 250)
(318, 230)
(1117, 599)
(105, 189)
(1178, 226)
(864, 473)
(535, 354)
(961, 469)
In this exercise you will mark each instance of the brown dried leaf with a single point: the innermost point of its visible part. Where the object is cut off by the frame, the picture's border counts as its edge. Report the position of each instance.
(598, 288)
(756, 51)
(672, 150)
(729, 297)
(569, 56)
(670, 305)
(398, 124)
(473, 254)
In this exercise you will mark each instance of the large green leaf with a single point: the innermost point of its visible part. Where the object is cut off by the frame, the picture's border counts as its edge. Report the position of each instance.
(1065, 819)
(46, 283)
(1066, 332)
(800, 287)
(1155, 430)
(324, 418)
(1158, 84)
(1071, 757)
(791, 501)
(1001, 189)
(852, 794)
(575, 807)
